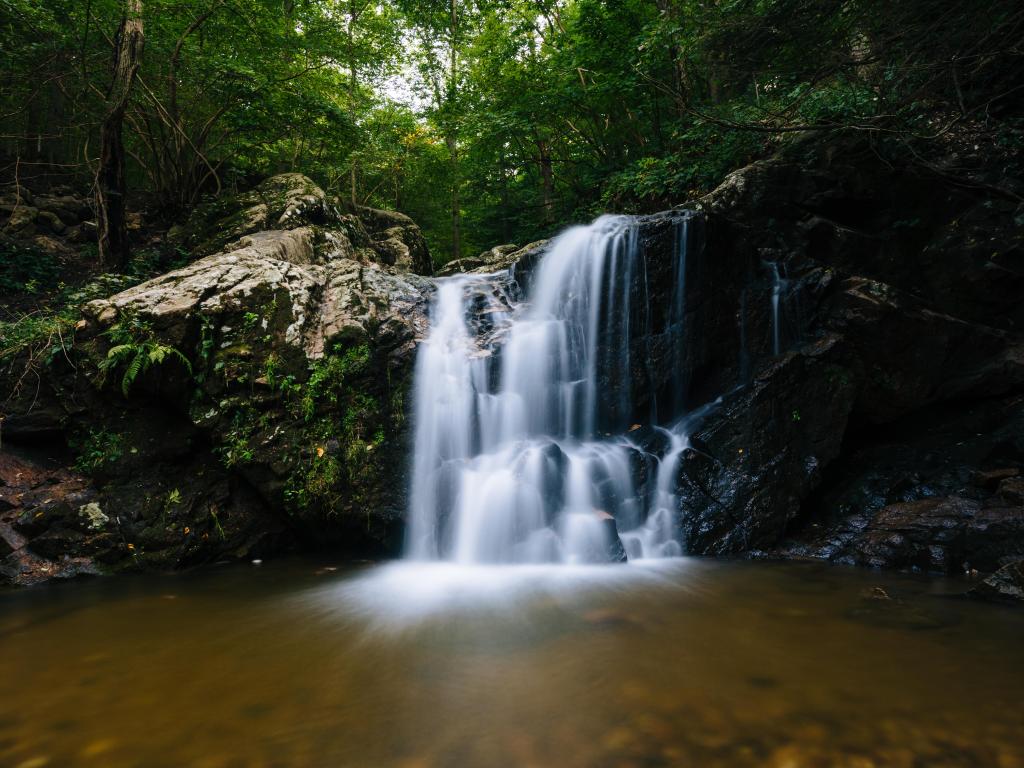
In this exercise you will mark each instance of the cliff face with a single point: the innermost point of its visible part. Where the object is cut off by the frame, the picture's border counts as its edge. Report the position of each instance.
(881, 362)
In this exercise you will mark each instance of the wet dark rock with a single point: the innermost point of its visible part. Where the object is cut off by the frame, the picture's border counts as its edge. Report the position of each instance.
(875, 593)
(931, 461)
(926, 357)
(925, 371)
(764, 450)
(1006, 584)
(1011, 491)
(616, 550)
(945, 535)
(992, 479)
(942, 535)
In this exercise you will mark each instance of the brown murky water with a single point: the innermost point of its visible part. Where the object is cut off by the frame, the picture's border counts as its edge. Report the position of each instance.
(698, 663)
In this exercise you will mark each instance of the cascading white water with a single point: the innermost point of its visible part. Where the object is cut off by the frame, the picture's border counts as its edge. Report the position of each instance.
(517, 405)
(778, 286)
(786, 308)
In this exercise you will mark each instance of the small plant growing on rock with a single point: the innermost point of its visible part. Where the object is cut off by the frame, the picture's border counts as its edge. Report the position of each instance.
(135, 351)
(99, 448)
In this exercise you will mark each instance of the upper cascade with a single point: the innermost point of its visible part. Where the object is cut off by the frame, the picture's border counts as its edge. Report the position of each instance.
(524, 449)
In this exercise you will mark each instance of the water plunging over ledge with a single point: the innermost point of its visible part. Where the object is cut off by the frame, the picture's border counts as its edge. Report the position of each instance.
(524, 411)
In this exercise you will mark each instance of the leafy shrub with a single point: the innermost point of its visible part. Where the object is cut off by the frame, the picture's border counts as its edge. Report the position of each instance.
(99, 449)
(25, 268)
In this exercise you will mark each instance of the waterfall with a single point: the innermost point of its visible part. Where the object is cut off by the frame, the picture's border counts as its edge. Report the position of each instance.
(778, 286)
(787, 309)
(523, 407)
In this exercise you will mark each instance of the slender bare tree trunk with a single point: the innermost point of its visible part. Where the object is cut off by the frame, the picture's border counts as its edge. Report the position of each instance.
(453, 151)
(547, 177)
(353, 16)
(452, 139)
(506, 204)
(110, 176)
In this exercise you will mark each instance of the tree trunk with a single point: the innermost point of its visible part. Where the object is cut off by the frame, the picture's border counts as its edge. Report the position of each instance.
(353, 17)
(110, 185)
(506, 204)
(547, 180)
(453, 151)
(452, 139)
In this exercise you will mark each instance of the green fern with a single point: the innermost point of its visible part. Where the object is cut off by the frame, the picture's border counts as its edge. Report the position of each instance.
(137, 351)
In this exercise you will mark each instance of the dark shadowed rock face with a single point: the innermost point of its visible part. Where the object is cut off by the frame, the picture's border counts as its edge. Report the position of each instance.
(938, 490)
(867, 455)
(760, 452)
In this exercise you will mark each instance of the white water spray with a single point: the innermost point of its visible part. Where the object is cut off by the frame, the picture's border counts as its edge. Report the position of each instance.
(523, 451)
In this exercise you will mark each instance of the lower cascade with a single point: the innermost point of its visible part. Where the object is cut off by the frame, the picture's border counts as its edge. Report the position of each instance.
(525, 447)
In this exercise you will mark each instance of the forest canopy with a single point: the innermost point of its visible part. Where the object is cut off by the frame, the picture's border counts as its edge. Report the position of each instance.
(490, 121)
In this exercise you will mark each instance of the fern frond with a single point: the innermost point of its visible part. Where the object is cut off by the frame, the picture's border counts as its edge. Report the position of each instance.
(116, 355)
(135, 367)
(177, 355)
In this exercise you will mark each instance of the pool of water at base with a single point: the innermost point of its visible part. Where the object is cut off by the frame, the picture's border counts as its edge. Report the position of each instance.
(674, 663)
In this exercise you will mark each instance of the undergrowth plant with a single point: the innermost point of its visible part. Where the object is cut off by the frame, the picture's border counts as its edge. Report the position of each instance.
(98, 449)
(135, 350)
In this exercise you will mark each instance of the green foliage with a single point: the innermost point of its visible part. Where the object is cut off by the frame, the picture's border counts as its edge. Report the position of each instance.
(217, 527)
(328, 377)
(31, 342)
(37, 337)
(135, 350)
(362, 411)
(99, 449)
(344, 429)
(236, 448)
(509, 118)
(25, 268)
(318, 482)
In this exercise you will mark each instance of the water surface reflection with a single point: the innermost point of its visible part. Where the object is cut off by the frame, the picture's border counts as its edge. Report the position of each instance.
(679, 663)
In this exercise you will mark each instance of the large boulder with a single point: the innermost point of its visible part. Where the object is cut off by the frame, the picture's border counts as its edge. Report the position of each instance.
(760, 452)
(253, 398)
(280, 202)
(294, 201)
(396, 239)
